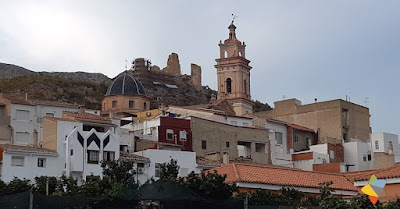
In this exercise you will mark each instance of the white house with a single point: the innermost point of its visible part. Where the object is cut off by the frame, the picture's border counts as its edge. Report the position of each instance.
(26, 162)
(358, 156)
(386, 143)
(22, 119)
(185, 160)
(82, 141)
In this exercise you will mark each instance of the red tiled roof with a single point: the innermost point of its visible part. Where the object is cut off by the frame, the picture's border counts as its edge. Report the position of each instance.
(275, 175)
(134, 157)
(301, 128)
(88, 116)
(60, 119)
(27, 149)
(54, 103)
(391, 172)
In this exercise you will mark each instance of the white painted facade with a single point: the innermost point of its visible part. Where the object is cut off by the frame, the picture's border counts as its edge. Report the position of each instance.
(387, 143)
(307, 165)
(24, 164)
(73, 145)
(185, 160)
(27, 122)
(217, 117)
(356, 154)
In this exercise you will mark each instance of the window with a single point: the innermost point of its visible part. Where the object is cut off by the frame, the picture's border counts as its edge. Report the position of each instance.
(296, 139)
(49, 114)
(245, 124)
(229, 85)
(331, 154)
(108, 156)
(203, 144)
(131, 104)
(93, 157)
(21, 138)
(144, 105)
(157, 170)
(72, 152)
(369, 157)
(278, 137)
(234, 123)
(364, 158)
(170, 134)
(376, 144)
(260, 147)
(245, 86)
(227, 144)
(22, 115)
(182, 135)
(17, 161)
(114, 104)
(41, 162)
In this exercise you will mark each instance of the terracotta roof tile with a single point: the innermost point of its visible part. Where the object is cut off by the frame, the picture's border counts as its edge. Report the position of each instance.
(7, 147)
(274, 175)
(134, 157)
(60, 119)
(295, 126)
(391, 172)
(88, 116)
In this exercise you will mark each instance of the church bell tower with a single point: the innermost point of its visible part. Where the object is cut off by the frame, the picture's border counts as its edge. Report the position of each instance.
(233, 72)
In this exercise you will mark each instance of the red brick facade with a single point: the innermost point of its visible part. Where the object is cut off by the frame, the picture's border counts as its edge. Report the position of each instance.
(338, 150)
(303, 156)
(329, 167)
(178, 126)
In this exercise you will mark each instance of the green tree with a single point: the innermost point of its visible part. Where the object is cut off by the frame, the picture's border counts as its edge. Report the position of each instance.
(16, 186)
(169, 171)
(210, 185)
(40, 184)
(362, 201)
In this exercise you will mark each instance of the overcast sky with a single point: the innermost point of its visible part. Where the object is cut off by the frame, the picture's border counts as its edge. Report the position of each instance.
(298, 49)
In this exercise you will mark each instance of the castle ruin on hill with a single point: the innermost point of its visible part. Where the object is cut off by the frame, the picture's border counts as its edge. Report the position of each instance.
(147, 73)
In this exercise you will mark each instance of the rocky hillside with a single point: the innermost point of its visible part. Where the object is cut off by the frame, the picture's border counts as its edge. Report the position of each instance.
(88, 88)
(11, 71)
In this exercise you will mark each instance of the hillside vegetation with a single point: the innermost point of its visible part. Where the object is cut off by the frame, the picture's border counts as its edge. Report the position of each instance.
(54, 88)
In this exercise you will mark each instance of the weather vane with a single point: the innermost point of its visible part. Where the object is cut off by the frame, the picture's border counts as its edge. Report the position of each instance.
(234, 17)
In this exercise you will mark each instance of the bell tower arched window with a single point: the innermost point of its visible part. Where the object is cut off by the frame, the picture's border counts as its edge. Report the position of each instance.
(245, 87)
(229, 85)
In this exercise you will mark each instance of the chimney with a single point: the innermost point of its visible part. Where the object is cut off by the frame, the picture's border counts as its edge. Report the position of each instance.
(26, 96)
(81, 109)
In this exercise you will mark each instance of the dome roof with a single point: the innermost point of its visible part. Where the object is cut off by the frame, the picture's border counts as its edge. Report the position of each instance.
(125, 84)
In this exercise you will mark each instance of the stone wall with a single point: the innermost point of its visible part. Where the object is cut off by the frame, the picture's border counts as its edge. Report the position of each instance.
(173, 66)
(196, 76)
(220, 137)
(383, 160)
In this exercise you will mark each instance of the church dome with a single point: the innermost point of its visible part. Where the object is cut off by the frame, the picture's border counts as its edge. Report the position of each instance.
(125, 84)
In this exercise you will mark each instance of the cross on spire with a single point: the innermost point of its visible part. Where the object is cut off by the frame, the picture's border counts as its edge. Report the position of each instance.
(234, 17)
